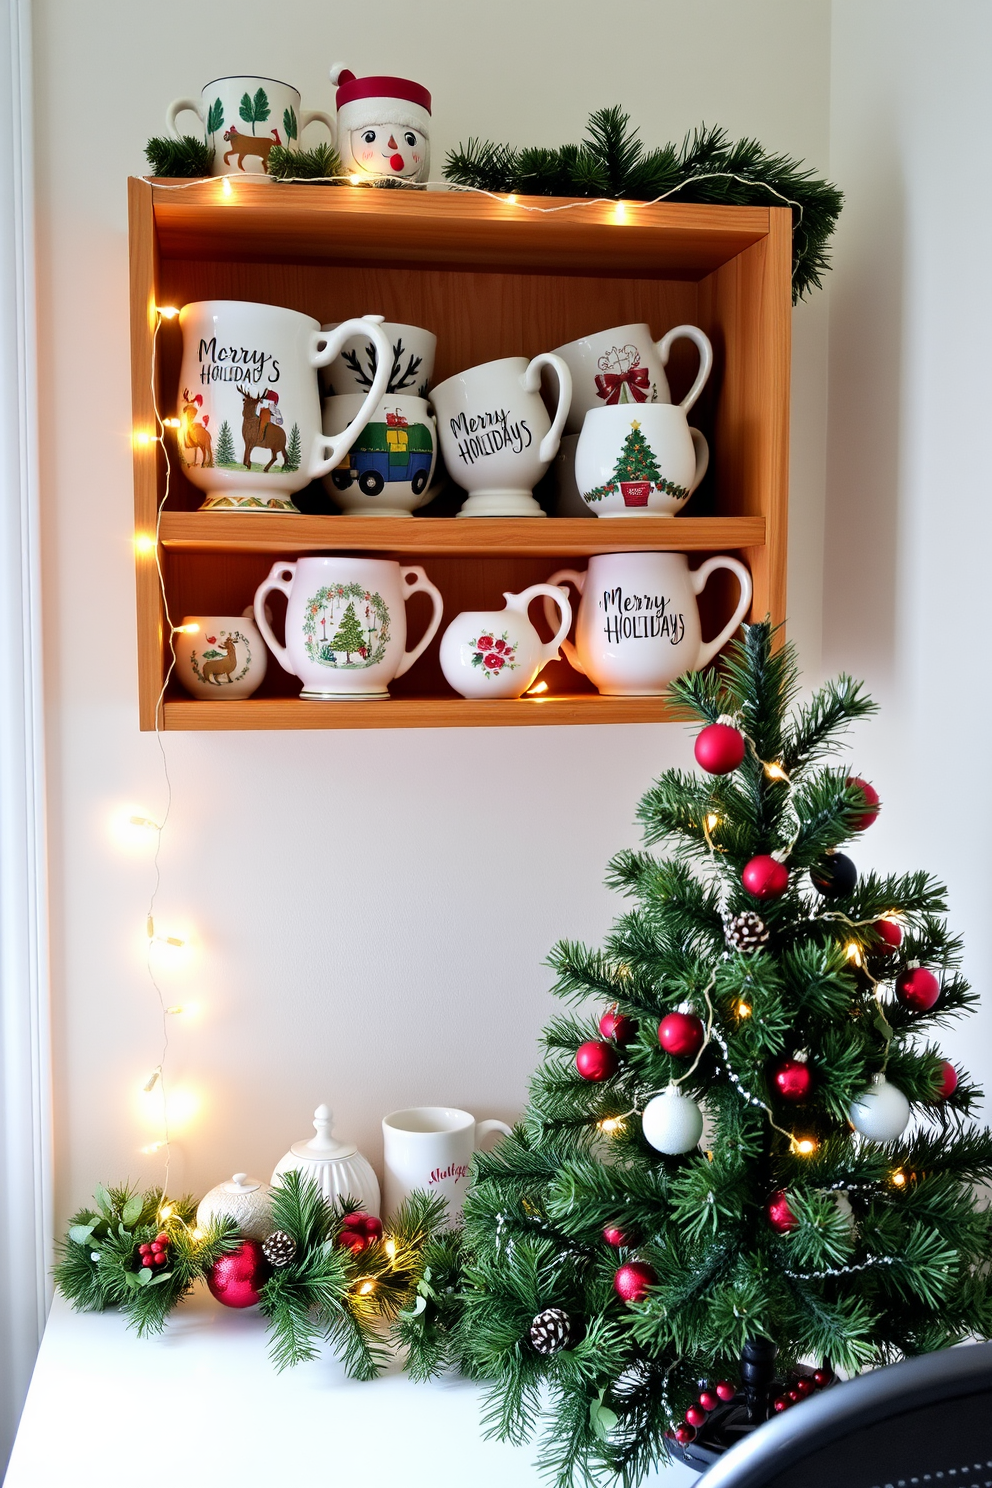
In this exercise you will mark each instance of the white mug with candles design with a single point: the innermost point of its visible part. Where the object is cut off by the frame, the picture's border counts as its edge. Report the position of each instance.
(627, 365)
(249, 433)
(430, 1148)
(243, 117)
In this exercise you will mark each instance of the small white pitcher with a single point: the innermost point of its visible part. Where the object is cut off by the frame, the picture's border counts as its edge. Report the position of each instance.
(498, 653)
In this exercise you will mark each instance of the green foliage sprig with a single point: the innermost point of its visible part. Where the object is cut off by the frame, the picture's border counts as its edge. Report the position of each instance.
(99, 1262)
(321, 165)
(179, 157)
(708, 168)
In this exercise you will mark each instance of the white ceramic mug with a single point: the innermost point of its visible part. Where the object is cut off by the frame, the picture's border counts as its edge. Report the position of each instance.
(388, 471)
(411, 369)
(568, 502)
(346, 623)
(220, 657)
(431, 1147)
(638, 622)
(498, 653)
(639, 462)
(495, 433)
(243, 117)
(627, 365)
(249, 430)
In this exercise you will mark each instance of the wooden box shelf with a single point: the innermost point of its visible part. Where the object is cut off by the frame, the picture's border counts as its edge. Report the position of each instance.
(492, 279)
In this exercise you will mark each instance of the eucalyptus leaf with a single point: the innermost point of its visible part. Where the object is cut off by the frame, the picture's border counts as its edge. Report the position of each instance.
(157, 1280)
(143, 1277)
(103, 1201)
(131, 1212)
(419, 1306)
(79, 1234)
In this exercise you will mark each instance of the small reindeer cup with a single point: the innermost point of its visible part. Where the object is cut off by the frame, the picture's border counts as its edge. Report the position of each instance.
(220, 657)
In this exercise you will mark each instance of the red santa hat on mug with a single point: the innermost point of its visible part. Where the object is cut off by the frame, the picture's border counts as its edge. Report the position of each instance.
(380, 100)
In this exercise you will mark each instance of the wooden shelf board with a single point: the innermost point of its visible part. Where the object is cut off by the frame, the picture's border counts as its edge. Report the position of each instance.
(263, 532)
(435, 712)
(263, 221)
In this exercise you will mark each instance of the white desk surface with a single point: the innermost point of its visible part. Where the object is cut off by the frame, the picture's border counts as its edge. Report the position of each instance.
(201, 1405)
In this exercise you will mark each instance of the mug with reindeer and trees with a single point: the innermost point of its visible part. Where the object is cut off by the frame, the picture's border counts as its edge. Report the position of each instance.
(243, 117)
(248, 417)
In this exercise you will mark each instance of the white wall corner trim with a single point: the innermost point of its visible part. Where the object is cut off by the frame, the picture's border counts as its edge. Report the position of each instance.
(25, 1123)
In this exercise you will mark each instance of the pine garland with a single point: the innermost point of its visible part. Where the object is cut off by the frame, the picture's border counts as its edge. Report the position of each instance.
(708, 168)
(316, 165)
(179, 157)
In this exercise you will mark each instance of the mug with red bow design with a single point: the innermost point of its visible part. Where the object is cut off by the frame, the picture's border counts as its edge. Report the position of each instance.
(627, 365)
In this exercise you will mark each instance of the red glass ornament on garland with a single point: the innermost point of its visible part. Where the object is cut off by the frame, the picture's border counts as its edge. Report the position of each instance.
(618, 1027)
(237, 1279)
(726, 1390)
(765, 877)
(793, 1080)
(681, 1034)
(696, 1416)
(615, 1236)
(781, 1403)
(949, 1083)
(780, 1216)
(719, 748)
(708, 1400)
(359, 1231)
(890, 934)
(684, 1435)
(872, 802)
(596, 1061)
(633, 1280)
(917, 988)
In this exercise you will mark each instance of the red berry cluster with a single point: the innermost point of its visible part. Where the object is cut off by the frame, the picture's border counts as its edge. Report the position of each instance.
(696, 1416)
(359, 1231)
(799, 1386)
(156, 1253)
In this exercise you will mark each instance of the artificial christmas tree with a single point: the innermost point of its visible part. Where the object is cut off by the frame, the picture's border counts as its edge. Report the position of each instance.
(790, 1233)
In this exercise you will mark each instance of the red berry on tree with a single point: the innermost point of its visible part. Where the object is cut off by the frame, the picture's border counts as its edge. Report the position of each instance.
(821, 1377)
(596, 1061)
(872, 802)
(633, 1280)
(614, 1235)
(720, 748)
(781, 1403)
(726, 1390)
(144, 1250)
(681, 1034)
(696, 1416)
(780, 1216)
(765, 877)
(794, 1397)
(949, 1083)
(803, 1386)
(618, 1027)
(148, 1260)
(684, 1435)
(890, 934)
(917, 988)
(161, 1239)
(708, 1400)
(793, 1080)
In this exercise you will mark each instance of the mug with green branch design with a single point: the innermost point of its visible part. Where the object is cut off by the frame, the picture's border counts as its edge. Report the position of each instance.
(243, 117)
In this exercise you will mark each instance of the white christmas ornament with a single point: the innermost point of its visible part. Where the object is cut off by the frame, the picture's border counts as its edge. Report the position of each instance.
(672, 1123)
(383, 127)
(880, 1113)
(245, 1200)
(339, 1167)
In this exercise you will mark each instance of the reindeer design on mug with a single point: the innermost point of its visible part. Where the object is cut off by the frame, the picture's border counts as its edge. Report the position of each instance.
(259, 430)
(194, 436)
(221, 666)
(249, 144)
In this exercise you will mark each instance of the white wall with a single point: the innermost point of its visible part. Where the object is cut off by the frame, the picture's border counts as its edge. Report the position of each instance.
(369, 911)
(908, 514)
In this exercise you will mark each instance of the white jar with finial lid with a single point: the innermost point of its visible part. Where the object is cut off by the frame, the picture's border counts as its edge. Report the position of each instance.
(245, 1200)
(338, 1167)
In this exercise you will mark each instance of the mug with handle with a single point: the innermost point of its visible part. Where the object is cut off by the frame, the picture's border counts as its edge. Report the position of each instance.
(431, 1147)
(230, 111)
(638, 621)
(626, 365)
(346, 623)
(496, 437)
(498, 653)
(637, 462)
(249, 433)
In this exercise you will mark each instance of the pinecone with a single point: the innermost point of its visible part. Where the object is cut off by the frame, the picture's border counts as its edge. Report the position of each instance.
(745, 932)
(279, 1249)
(550, 1330)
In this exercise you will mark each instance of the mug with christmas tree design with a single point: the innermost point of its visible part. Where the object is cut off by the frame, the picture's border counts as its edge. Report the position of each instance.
(639, 462)
(243, 117)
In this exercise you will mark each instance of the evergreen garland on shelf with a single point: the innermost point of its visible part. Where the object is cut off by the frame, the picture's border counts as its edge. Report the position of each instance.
(179, 157)
(301, 166)
(708, 168)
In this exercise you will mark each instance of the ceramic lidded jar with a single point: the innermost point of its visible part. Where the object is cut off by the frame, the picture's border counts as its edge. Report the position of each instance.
(248, 1201)
(498, 653)
(339, 1167)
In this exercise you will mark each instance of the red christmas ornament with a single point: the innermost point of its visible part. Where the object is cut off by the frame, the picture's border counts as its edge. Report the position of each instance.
(726, 1390)
(871, 800)
(696, 1416)
(596, 1061)
(237, 1279)
(917, 988)
(719, 748)
(614, 1235)
(684, 1435)
(618, 1027)
(793, 1080)
(890, 934)
(708, 1400)
(359, 1231)
(780, 1216)
(681, 1034)
(949, 1083)
(632, 1281)
(765, 877)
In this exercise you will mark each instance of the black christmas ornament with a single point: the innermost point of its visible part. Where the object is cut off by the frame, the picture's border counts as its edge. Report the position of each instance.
(834, 876)
(279, 1248)
(550, 1331)
(746, 931)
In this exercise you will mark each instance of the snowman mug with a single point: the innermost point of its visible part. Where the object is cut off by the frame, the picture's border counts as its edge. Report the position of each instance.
(627, 365)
